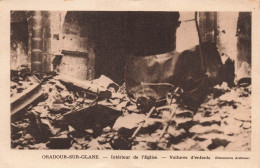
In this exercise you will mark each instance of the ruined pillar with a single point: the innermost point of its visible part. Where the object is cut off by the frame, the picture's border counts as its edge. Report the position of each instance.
(234, 41)
(47, 40)
(207, 26)
(243, 64)
(36, 41)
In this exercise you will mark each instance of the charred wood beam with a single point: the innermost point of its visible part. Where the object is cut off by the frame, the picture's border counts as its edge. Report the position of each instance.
(77, 83)
(26, 98)
(141, 125)
(94, 86)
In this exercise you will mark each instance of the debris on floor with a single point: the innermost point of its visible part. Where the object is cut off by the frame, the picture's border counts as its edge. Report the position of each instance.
(25, 89)
(98, 115)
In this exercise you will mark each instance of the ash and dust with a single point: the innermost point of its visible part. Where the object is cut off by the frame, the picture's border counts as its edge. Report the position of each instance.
(188, 106)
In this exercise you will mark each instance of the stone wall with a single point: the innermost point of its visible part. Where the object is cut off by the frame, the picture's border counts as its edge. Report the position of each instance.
(19, 44)
(74, 38)
(107, 38)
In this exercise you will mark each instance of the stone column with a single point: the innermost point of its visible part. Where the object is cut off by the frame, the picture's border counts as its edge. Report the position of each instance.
(36, 41)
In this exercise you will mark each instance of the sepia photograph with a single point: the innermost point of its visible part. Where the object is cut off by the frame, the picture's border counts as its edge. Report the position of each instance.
(130, 80)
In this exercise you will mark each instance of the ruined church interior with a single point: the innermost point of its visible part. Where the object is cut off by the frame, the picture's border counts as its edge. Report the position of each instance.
(130, 80)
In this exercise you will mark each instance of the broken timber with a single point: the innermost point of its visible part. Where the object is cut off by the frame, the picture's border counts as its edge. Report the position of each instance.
(29, 96)
(95, 86)
(141, 124)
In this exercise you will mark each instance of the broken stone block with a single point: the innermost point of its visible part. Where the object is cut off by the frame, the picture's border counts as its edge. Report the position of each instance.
(17, 135)
(200, 146)
(144, 146)
(162, 145)
(167, 136)
(39, 146)
(126, 125)
(217, 142)
(40, 131)
(131, 107)
(184, 145)
(102, 140)
(199, 129)
(121, 143)
(216, 135)
(224, 116)
(76, 146)
(53, 130)
(224, 86)
(60, 142)
(207, 114)
(93, 145)
(232, 121)
(16, 127)
(95, 117)
(24, 140)
(165, 114)
(156, 134)
(220, 148)
(104, 95)
(242, 114)
(59, 108)
(197, 117)
(115, 102)
(184, 113)
(244, 92)
(153, 122)
(198, 138)
(107, 129)
(231, 130)
(185, 123)
(28, 137)
(228, 97)
(101, 84)
(207, 121)
(231, 126)
(105, 82)
(83, 141)
(130, 121)
(176, 132)
(89, 131)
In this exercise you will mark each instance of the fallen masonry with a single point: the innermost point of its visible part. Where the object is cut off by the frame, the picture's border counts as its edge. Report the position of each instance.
(98, 115)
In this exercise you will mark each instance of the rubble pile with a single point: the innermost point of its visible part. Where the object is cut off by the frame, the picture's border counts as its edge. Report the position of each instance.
(104, 118)
(223, 122)
(20, 81)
